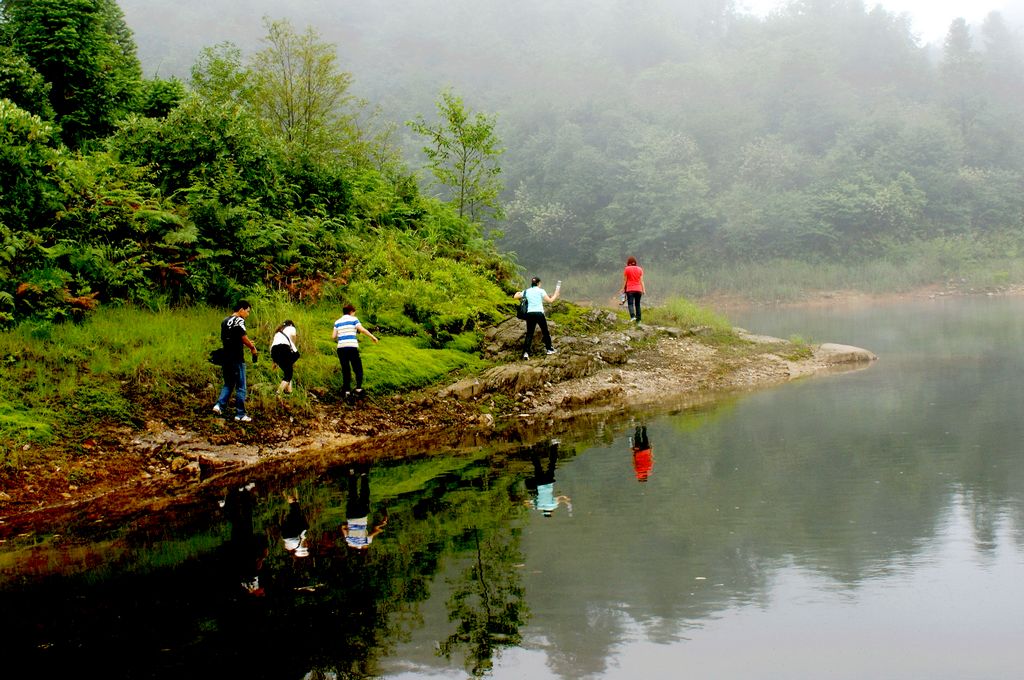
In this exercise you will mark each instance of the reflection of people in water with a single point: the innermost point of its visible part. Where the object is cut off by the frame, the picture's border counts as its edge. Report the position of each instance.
(542, 484)
(643, 459)
(357, 531)
(247, 550)
(294, 527)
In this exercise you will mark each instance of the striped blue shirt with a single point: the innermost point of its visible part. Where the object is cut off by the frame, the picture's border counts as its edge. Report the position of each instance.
(345, 331)
(358, 535)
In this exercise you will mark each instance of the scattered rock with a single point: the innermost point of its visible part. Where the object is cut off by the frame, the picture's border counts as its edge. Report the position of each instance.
(832, 353)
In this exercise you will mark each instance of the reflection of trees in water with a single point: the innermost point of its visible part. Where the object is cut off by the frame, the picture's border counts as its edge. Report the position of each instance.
(334, 611)
(487, 603)
(370, 599)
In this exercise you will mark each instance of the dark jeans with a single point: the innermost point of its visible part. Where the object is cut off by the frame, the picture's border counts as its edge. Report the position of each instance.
(350, 361)
(633, 303)
(534, 319)
(234, 381)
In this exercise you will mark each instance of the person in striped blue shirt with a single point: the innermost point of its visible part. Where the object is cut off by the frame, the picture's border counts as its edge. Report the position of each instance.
(357, 530)
(346, 331)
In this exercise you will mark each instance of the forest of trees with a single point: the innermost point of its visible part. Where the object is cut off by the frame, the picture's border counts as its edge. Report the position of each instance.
(269, 156)
(256, 175)
(688, 132)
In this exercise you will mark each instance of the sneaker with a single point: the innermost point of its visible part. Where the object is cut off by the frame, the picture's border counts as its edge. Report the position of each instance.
(550, 351)
(216, 409)
(243, 419)
(525, 355)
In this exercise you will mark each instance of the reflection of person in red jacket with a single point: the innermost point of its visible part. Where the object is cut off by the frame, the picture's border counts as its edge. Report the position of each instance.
(643, 459)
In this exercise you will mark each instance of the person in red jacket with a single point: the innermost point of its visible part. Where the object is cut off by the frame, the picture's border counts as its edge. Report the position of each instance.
(643, 459)
(633, 287)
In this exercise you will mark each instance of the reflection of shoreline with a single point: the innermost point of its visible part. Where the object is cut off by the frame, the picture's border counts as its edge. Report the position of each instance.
(234, 586)
(677, 372)
(561, 388)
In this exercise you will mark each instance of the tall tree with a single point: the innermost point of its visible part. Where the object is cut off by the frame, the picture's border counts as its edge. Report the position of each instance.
(220, 75)
(1002, 63)
(299, 90)
(961, 76)
(84, 49)
(463, 152)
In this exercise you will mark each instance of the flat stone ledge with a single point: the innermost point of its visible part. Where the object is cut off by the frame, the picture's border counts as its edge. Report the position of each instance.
(833, 353)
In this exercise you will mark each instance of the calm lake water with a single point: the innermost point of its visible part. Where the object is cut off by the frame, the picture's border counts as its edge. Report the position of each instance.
(868, 524)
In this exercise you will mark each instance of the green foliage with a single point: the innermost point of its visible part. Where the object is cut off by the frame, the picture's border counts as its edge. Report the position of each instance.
(122, 362)
(299, 92)
(45, 293)
(22, 427)
(220, 75)
(158, 97)
(659, 165)
(798, 349)
(683, 313)
(465, 342)
(105, 403)
(694, 133)
(400, 364)
(83, 49)
(574, 319)
(23, 85)
(462, 150)
(437, 296)
(31, 194)
(116, 235)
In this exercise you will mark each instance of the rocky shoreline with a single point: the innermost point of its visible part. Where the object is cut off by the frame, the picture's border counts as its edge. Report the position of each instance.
(593, 374)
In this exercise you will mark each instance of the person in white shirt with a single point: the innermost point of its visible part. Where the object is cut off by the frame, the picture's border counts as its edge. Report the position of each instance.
(284, 353)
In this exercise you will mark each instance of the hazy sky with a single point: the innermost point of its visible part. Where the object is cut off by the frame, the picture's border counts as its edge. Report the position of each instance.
(930, 18)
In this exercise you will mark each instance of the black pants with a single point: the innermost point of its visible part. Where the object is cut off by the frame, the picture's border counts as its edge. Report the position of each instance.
(640, 441)
(357, 501)
(633, 303)
(350, 361)
(539, 453)
(284, 357)
(534, 319)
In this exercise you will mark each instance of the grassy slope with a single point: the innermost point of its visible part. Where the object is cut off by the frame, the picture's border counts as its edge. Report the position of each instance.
(125, 365)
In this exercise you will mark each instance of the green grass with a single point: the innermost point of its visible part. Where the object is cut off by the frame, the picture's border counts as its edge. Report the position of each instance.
(797, 350)
(683, 313)
(124, 364)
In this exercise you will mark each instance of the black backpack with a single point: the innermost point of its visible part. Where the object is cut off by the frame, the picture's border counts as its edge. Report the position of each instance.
(524, 304)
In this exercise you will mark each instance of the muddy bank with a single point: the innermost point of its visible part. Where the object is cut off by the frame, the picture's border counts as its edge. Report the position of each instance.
(618, 368)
